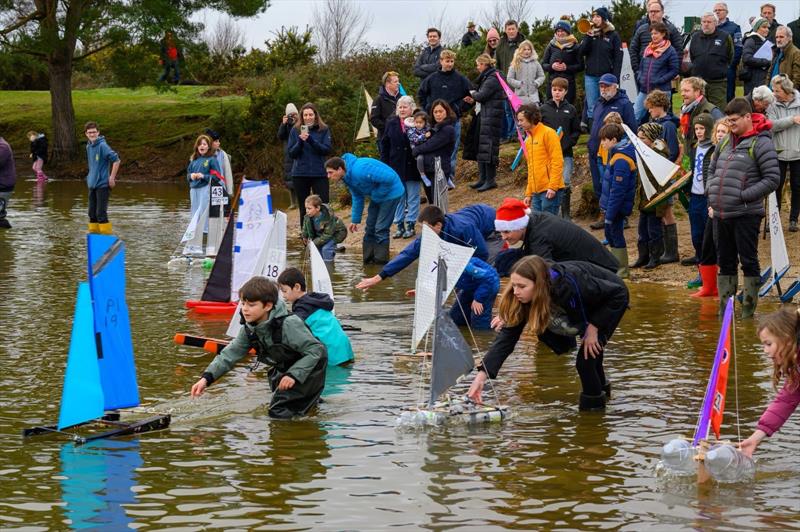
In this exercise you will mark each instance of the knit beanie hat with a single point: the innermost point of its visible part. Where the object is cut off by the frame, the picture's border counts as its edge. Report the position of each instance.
(511, 215)
(563, 25)
(758, 22)
(705, 120)
(492, 34)
(651, 130)
(603, 12)
(291, 109)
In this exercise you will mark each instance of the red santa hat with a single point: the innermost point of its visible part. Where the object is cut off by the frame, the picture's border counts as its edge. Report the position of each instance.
(512, 215)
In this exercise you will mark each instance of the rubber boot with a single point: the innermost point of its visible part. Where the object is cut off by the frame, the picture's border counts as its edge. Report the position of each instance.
(750, 301)
(94, 227)
(709, 275)
(592, 402)
(381, 254)
(106, 229)
(368, 248)
(697, 282)
(607, 390)
(565, 203)
(656, 249)
(488, 185)
(401, 228)
(479, 183)
(670, 244)
(293, 199)
(726, 285)
(644, 255)
(621, 254)
(600, 223)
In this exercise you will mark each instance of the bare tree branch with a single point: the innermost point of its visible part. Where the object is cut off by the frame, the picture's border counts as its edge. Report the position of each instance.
(503, 10)
(339, 27)
(226, 37)
(21, 21)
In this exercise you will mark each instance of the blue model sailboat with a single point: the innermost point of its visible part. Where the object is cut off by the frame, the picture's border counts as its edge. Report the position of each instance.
(101, 372)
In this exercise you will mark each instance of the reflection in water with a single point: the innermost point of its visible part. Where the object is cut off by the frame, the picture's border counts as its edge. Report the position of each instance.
(98, 479)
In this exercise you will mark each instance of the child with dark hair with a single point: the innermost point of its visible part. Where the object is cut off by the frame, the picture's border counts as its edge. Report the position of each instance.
(316, 310)
(323, 227)
(296, 359)
(416, 136)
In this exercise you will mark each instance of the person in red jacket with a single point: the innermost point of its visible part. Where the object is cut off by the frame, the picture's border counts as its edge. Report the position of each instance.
(170, 55)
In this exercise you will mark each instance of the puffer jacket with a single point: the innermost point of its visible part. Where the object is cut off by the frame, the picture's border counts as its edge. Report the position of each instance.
(779, 410)
(439, 144)
(369, 177)
(785, 132)
(569, 54)
(526, 80)
(658, 72)
(603, 53)
(743, 171)
(309, 155)
(492, 99)
(565, 116)
(545, 160)
(396, 150)
(480, 279)
(641, 38)
(619, 181)
(753, 71)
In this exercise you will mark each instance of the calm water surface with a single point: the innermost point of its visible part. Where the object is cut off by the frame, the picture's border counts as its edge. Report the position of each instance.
(223, 464)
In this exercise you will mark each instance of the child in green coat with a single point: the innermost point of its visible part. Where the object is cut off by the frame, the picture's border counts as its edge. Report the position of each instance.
(323, 227)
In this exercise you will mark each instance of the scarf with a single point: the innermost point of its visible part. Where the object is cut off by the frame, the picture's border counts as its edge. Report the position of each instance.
(564, 43)
(686, 113)
(657, 50)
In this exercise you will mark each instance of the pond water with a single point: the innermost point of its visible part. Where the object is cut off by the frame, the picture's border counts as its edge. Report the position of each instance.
(223, 464)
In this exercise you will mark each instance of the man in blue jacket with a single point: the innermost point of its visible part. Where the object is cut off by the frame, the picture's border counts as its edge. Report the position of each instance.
(471, 226)
(369, 177)
(735, 31)
(100, 178)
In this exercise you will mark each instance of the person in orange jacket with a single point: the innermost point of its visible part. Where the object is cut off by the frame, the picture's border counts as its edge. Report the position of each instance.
(545, 162)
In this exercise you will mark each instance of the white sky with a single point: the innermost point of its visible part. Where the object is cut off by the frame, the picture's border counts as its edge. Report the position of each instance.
(401, 21)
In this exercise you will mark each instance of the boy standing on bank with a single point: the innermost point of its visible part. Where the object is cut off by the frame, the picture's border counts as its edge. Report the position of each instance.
(99, 179)
(296, 359)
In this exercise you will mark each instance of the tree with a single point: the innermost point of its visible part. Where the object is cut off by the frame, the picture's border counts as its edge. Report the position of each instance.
(62, 32)
(503, 10)
(226, 39)
(338, 28)
(626, 13)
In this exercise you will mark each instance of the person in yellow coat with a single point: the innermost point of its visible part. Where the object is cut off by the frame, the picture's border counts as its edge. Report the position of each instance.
(545, 162)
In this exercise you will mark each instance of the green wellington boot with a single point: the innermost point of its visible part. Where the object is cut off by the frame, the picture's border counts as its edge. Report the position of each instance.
(750, 301)
(726, 286)
(621, 254)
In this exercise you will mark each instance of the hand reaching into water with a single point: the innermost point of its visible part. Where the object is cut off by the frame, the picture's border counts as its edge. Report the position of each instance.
(476, 388)
(497, 324)
(749, 445)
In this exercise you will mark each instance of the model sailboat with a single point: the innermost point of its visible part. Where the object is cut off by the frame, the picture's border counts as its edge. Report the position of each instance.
(101, 372)
(778, 253)
(366, 130)
(711, 459)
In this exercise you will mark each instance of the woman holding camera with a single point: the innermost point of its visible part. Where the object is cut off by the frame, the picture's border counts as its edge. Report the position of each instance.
(309, 144)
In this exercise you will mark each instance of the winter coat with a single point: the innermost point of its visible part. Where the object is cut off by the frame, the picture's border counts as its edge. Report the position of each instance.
(619, 181)
(8, 171)
(396, 150)
(585, 293)
(440, 144)
(779, 410)
(100, 157)
(427, 62)
(299, 355)
(316, 310)
(369, 177)
(785, 132)
(565, 116)
(383, 106)
(619, 103)
(284, 130)
(208, 166)
(554, 238)
(545, 161)
(309, 155)
(753, 71)
(711, 54)
(569, 54)
(481, 280)
(795, 27)
(603, 53)
(470, 226)
(39, 147)
(669, 124)
(470, 37)
(505, 51)
(641, 38)
(449, 86)
(703, 107)
(492, 99)
(329, 227)
(743, 172)
(526, 80)
(735, 31)
(658, 72)
(788, 63)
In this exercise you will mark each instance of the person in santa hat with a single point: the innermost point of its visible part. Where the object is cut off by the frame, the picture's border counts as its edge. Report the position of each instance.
(550, 237)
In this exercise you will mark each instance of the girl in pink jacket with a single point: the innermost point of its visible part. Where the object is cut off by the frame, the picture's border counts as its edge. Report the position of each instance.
(779, 335)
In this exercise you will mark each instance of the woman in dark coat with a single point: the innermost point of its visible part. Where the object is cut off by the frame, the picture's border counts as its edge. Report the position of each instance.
(754, 70)
(562, 58)
(309, 146)
(396, 152)
(492, 99)
(442, 139)
(557, 302)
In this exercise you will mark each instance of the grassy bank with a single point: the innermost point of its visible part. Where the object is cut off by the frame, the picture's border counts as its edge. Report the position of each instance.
(153, 132)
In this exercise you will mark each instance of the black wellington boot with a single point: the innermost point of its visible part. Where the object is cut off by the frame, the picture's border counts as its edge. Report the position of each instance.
(644, 255)
(588, 403)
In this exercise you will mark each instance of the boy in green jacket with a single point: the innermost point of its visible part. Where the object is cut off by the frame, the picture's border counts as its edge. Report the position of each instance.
(323, 227)
(296, 359)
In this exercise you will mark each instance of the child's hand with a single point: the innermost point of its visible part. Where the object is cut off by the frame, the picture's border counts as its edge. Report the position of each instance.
(199, 387)
(497, 324)
(427, 134)
(527, 201)
(286, 383)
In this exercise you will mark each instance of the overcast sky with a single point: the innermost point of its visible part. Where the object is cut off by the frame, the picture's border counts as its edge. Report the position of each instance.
(401, 21)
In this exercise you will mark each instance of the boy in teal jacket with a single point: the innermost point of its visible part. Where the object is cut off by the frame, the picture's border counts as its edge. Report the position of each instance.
(99, 179)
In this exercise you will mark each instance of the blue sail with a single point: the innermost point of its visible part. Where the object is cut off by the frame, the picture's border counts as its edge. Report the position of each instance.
(112, 327)
(82, 397)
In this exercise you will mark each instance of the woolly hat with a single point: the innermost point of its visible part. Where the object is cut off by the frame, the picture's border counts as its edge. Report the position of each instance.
(705, 120)
(512, 215)
(758, 22)
(603, 12)
(291, 109)
(563, 25)
(651, 130)
(492, 34)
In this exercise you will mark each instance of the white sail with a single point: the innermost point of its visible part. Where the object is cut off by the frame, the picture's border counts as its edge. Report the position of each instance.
(780, 258)
(431, 249)
(253, 225)
(661, 168)
(193, 236)
(366, 130)
(270, 263)
(440, 198)
(627, 82)
(649, 189)
(320, 278)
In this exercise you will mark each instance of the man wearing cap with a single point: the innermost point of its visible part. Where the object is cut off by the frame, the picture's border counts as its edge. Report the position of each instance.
(712, 53)
(755, 69)
(735, 31)
(471, 35)
(601, 48)
(612, 99)
(549, 237)
(428, 60)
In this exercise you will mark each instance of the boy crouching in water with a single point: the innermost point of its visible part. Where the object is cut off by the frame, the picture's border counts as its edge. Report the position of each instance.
(323, 227)
(296, 359)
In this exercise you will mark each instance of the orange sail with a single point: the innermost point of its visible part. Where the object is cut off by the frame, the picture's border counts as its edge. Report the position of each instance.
(718, 407)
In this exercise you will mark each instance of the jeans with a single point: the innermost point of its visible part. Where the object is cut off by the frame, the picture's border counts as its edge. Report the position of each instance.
(509, 124)
(569, 166)
(639, 110)
(737, 239)
(463, 305)
(614, 233)
(98, 204)
(453, 157)
(698, 215)
(328, 250)
(591, 87)
(379, 220)
(649, 228)
(540, 203)
(408, 205)
(171, 65)
(793, 167)
(304, 186)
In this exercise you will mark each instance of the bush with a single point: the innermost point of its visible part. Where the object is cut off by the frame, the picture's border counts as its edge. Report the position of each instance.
(22, 72)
